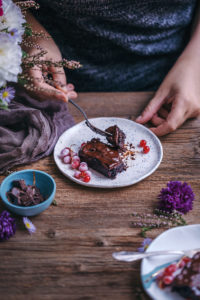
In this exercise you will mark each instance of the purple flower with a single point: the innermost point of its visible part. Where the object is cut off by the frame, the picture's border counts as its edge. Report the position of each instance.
(177, 196)
(145, 244)
(7, 226)
(7, 94)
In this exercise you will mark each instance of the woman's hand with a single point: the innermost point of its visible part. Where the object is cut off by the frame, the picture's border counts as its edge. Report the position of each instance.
(56, 88)
(177, 99)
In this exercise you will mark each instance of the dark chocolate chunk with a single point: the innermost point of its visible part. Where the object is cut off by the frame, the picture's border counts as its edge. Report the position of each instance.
(24, 195)
(118, 137)
(20, 184)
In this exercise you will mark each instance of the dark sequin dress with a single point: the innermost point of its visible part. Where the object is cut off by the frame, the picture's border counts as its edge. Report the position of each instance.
(123, 45)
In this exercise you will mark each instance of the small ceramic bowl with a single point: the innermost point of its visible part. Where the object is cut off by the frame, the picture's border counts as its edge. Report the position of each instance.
(44, 182)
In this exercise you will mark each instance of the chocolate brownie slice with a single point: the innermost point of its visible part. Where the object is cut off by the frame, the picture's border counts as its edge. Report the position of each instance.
(102, 158)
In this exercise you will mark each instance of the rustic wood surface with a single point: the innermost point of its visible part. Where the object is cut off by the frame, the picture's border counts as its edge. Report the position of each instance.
(69, 257)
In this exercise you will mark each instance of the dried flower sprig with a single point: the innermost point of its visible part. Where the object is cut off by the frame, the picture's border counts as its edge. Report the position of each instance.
(159, 219)
(24, 5)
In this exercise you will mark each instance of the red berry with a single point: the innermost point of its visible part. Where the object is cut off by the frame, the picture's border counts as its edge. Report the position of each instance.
(167, 279)
(83, 167)
(77, 174)
(88, 173)
(65, 152)
(143, 143)
(83, 144)
(76, 158)
(66, 159)
(183, 262)
(86, 178)
(186, 259)
(75, 164)
(170, 269)
(146, 149)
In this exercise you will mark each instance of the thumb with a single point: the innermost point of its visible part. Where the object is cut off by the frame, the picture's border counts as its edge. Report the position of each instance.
(150, 110)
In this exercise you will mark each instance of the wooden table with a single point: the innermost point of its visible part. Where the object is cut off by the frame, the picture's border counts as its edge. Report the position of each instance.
(69, 257)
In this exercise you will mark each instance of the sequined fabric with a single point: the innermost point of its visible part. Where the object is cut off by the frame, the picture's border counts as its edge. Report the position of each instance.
(123, 45)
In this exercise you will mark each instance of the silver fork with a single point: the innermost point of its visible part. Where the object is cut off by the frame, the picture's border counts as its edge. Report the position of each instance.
(92, 127)
(133, 256)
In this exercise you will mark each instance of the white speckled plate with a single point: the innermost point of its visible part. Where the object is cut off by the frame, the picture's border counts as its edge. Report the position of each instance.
(178, 238)
(142, 166)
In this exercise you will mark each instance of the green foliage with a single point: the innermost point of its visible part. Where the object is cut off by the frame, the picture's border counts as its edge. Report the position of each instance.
(22, 81)
(3, 105)
(24, 54)
(28, 30)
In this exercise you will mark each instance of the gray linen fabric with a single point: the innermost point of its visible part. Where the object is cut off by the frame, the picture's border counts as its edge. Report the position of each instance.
(30, 129)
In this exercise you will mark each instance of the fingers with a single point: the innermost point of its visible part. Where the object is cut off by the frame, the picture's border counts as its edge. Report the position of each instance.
(60, 82)
(59, 77)
(42, 90)
(175, 118)
(153, 106)
(45, 91)
(163, 113)
(156, 120)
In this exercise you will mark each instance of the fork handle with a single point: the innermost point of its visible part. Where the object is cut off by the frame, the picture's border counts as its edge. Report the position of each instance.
(133, 256)
(79, 108)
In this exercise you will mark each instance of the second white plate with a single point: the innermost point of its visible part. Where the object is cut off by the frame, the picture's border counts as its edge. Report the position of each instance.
(142, 166)
(178, 238)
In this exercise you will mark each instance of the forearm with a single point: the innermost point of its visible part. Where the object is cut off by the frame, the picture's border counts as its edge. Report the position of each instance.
(35, 25)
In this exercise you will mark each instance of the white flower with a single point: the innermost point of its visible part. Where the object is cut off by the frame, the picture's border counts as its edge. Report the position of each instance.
(10, 59)
(12, 18)
(29, 225)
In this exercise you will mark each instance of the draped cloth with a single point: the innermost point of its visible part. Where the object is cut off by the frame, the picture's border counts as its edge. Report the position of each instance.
(30, 129)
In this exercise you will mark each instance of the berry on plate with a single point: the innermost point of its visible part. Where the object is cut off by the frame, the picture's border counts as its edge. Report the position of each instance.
(167, 280)
(65, 152)
(77, 174)
(83, 167)
(146, 149)
(66, 159)
(86, 178)
(76, 157)
(75, 164)
(170, 269)
(143, 143)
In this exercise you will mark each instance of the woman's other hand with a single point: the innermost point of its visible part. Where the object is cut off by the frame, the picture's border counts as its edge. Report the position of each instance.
(177, 99)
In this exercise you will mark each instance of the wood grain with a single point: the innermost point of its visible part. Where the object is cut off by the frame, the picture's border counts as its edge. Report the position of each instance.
(69, 257)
